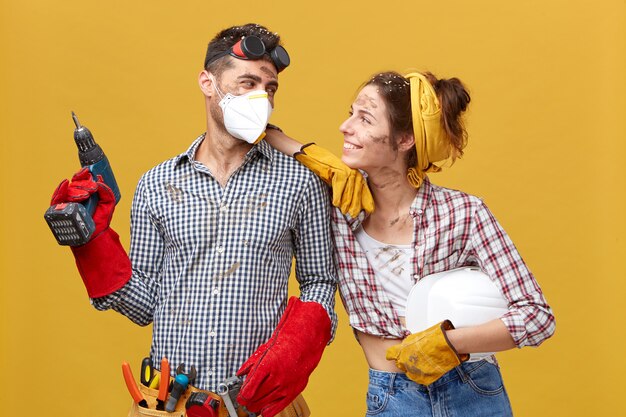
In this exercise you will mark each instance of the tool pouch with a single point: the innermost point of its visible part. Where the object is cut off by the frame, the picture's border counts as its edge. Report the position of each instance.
(298, 408)
(150, 396)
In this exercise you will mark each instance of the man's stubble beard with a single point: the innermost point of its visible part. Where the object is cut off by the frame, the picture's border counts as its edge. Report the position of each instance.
(217, 115)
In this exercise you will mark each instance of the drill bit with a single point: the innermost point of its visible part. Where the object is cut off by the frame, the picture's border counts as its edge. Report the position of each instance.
(76, 122)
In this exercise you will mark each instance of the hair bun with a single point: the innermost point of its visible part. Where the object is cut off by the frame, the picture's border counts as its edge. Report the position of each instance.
(455, 91)
(454, 99)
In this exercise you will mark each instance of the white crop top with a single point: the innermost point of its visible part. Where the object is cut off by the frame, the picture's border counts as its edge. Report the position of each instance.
(392, 268)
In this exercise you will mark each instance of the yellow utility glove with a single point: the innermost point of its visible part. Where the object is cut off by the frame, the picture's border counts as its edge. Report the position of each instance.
(426, 356)
(350, 191)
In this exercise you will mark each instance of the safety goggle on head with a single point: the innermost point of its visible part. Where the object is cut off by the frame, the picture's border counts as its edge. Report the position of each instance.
(253, 48)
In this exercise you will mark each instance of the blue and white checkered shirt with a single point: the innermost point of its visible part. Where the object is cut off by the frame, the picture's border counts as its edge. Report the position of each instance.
(211, 264)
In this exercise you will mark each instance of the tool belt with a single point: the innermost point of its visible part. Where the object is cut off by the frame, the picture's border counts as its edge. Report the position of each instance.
(298, 408)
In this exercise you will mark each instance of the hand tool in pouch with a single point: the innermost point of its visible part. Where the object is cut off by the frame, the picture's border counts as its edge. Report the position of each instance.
(132, 385)
(147, 372)
(72, 223)
(228, 390)
(200, 404)
(154, 384)
(164, 384)
(181, 382)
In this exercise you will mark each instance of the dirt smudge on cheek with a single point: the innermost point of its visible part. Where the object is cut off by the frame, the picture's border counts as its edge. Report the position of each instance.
(382, 139)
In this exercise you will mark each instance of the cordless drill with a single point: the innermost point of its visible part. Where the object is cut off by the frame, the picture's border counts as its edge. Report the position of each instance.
(72, 223)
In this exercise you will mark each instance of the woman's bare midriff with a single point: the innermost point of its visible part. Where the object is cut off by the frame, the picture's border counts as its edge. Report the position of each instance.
(375, 349)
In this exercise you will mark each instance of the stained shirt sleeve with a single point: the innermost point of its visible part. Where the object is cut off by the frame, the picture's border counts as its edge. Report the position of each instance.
(529, 320)
(315, 268)
(137, 299)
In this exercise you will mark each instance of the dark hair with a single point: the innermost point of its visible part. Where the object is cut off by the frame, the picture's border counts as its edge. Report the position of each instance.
(225, 39)
(453, 98)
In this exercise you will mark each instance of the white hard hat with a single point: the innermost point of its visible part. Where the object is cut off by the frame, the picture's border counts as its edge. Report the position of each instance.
(465, 296)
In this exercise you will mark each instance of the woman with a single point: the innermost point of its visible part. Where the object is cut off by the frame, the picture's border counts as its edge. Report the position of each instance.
(399, 129)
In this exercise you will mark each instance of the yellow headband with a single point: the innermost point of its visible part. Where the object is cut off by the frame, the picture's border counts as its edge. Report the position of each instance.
(431, 141)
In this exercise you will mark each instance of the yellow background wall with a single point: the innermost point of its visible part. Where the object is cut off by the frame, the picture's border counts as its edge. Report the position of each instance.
(546, 149)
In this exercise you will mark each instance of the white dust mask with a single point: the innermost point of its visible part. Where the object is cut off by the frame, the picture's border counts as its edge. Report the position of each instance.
(245, 116)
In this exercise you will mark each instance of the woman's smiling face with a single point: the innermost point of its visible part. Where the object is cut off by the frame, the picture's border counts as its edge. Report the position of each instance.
(367, 134)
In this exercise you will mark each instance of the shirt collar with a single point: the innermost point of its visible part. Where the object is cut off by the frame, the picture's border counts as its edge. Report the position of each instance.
(422, 198)
(418, 207)
(262, 148)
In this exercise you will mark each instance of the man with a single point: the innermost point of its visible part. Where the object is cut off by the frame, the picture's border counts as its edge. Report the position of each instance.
(213, 232)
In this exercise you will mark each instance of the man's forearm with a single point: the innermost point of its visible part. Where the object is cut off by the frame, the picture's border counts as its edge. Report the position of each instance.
(315, 268)
(136, 300)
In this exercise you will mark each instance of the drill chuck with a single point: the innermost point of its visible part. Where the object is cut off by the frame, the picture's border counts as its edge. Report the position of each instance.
(89, 152)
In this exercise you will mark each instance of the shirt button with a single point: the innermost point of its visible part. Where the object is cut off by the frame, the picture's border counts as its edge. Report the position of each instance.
(416, 276)
(420, 212)
(224, 208)
(220, 249)
(216, 291)
(245, 242)
(212, 333)
(417, 246)
(210, 372)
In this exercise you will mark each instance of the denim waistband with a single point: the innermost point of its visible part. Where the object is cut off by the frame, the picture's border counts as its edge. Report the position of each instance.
(398, 380)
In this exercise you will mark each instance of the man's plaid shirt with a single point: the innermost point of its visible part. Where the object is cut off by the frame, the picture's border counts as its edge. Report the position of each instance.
(211, 264)
(451, 230)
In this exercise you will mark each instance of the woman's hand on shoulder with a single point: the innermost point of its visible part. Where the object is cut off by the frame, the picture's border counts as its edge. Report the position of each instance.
(280, 141)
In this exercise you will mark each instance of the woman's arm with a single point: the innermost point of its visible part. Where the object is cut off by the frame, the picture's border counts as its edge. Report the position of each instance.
(350, 191)
(282, 142)
(492, 336)
(529, 320)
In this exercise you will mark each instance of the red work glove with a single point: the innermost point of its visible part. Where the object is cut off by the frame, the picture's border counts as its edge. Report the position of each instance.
(102, 262)
(279, 370)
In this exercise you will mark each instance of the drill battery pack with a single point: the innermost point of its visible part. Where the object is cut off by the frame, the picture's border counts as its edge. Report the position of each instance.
(70, 223)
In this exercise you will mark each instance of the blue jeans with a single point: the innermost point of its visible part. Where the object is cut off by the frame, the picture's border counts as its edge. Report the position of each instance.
(470, 390)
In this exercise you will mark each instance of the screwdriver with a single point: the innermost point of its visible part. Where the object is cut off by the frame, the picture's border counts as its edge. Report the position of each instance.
(147, 371)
